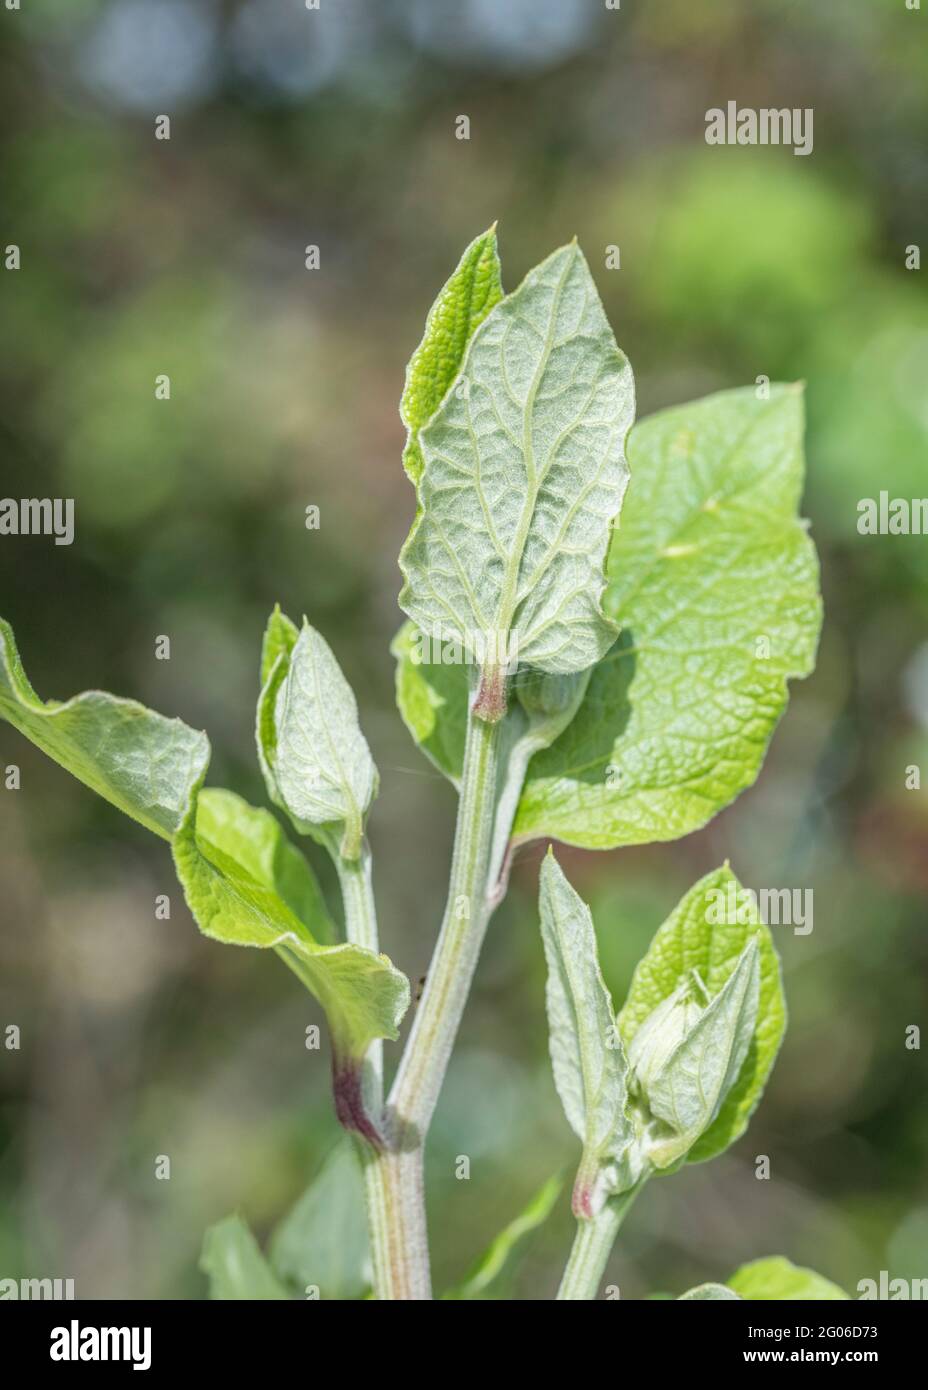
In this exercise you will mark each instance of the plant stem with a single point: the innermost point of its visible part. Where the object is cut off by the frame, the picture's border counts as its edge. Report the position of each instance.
(354, 877)
(392, 1197)
(592, 1247)
(425, 1059)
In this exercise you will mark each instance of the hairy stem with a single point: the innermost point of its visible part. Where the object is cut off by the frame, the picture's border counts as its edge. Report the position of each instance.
(394, 1197)
(425, 1059)
(592, 1247)
(354, 877)
(392, 1191)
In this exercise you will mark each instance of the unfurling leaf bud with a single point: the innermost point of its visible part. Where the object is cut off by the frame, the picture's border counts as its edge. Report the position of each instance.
(665, 1028)
(687, 1055)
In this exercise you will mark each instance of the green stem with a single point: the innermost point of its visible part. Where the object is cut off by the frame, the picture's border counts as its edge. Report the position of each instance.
(354, 877)
(385, 1181)
(592, 1247)
(393, 1177)
(394, 1197)
(425, 1059)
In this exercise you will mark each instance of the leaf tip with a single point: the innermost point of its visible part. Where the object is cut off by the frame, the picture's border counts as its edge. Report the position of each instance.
(549, 865)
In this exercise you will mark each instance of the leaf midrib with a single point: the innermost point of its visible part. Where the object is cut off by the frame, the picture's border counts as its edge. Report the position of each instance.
(507, 603)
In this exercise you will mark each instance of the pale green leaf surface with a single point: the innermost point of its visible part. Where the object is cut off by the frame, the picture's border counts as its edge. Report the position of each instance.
(589, 1067)
(688, 941)
(499, 1253)
(776, 1278)
(462, 304)
(323, 1240)
(709, 564)
(255, 840)
(233, 1263)
(524, 472)
(142, 763)
(317, 763)
(714, 1293)
(363, 995)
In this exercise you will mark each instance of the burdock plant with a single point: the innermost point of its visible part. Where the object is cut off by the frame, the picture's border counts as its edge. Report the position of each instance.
(585, 666)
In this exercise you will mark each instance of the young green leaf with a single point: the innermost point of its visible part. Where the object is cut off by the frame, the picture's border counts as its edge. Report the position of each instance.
(232, 1261)
(316, 761)
(716, 1293)
(588, 1061)
(255, 840)
(776, 1278)
(144, 764)
(705, 935)
(665, 1028)
(364, 996)
(687, 1088)
(323, 1241)
(431, 696)
(524, 473)
(462, 304)
(499, 1253)
(714, 581)
(280, 637)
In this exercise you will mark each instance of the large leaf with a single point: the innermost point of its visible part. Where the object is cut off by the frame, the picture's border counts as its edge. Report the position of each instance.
(255, 840)
(714, 581)
(642, 760)
(462, 304)
(316, 761)
(692, 939)
(589, 1065)
(524, 473)
(232, 1261)
(776, 1278)
(322, 1242)
(363, 995)
(499, 1253)
(144, 764)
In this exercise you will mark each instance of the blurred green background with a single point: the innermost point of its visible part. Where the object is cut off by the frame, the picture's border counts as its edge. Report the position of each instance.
(186, 257)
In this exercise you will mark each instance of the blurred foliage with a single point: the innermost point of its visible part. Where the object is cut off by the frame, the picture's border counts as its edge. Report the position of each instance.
(140, 257)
